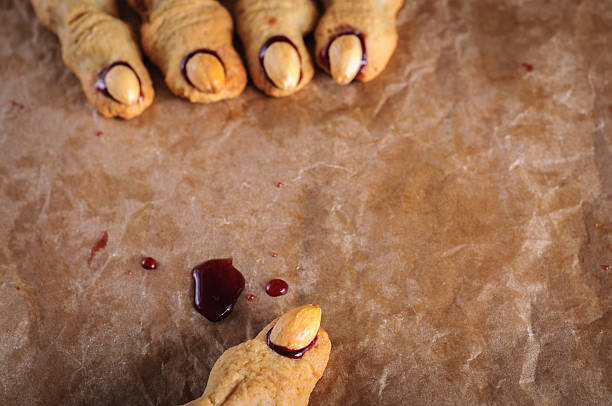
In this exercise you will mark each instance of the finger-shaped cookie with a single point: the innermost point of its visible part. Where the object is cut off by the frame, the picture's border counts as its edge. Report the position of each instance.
(191, 42)
(102, 52)
(272, 33)
(356, 38)
(280, 366)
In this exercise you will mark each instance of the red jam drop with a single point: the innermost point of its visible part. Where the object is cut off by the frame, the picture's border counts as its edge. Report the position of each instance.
(605, 267)
(279, 184)
(277, 287)
(99, 133)
(218, 286)
(251, 297)
(528, 67)
(273, 254)
(148, 263)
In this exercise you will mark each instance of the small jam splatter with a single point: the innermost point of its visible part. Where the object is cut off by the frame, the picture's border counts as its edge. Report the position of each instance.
(100, 244)
(277, 287)
(279, 184)
(217, 288)
(148, 263)
(287, 352)
(528, 67)
(129, 272)
(17, 287)
(251, 297)
(605, 267)
(273, 254)
(99, 133)
(14, 107)
(17, 105)
(272, 21)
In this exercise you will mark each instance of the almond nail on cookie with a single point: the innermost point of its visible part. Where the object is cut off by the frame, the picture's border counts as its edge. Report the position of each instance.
(280, 366)
(272, 33)
(355, 39)
(191, 42)
(102, 52)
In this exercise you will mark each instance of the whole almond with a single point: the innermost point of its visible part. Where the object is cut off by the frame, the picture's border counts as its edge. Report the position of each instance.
(297, 328)
(345, 58)
(122, 84)
(282, 65)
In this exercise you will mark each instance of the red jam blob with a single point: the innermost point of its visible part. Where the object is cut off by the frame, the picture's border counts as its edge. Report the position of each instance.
(277, 287)
(251, 297)
(273, 254)
(217, 288)
(289, 353)
(148, 263)
(528, 67)
(100, 244)
(605, 267)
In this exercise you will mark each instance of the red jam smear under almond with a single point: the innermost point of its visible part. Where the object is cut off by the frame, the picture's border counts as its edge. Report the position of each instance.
(289, 353)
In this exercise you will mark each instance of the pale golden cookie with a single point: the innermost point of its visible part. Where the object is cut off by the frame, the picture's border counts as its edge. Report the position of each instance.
(355, 39)
(252, 373)
(272, 33)
(191, 42)
(102, 52)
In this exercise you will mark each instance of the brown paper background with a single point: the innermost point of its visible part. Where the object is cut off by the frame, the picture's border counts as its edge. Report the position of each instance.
(450, 218)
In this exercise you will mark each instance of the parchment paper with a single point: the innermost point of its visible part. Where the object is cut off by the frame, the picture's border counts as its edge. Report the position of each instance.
(451, 218)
